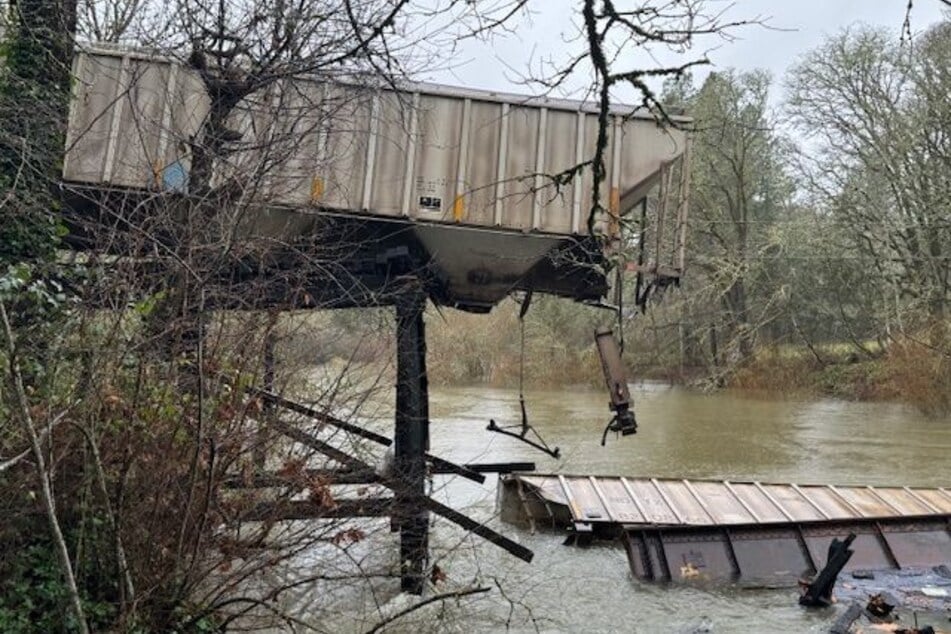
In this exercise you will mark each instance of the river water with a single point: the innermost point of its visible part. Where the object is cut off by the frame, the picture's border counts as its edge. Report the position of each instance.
(682, 434)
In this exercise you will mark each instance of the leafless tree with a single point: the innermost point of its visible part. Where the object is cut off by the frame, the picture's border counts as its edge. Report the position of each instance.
(154, 459)
(874, 111)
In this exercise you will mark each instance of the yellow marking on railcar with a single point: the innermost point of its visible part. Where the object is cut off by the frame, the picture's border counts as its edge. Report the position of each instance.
(316, 189)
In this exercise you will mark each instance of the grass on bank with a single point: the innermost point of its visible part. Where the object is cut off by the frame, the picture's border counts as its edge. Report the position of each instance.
(909, 371)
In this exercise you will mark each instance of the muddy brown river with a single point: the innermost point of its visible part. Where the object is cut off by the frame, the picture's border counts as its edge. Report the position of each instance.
(682, 434)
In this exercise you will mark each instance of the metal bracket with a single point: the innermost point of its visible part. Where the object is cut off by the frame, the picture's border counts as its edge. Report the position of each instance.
(522, 435)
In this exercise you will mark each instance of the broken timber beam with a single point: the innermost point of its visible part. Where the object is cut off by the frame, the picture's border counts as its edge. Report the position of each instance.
(818, 593)
(268, 479)
(496, 467)
(843, 624)
(309, 510)
(439, 465)
(483, 531)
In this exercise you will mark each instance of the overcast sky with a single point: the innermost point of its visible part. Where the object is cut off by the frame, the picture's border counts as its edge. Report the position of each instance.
(797, 27)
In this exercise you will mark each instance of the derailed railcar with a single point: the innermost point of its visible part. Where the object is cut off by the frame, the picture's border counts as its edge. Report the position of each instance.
(482, 184)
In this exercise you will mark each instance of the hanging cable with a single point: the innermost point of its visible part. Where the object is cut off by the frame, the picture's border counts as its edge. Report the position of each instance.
(524, 428)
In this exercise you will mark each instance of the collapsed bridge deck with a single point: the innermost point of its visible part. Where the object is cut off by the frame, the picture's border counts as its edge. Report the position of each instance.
(684, 529)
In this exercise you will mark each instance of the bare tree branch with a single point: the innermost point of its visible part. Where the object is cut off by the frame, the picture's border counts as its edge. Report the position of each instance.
(433, 599)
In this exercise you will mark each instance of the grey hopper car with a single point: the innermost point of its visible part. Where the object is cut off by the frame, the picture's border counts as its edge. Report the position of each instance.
(461, 174)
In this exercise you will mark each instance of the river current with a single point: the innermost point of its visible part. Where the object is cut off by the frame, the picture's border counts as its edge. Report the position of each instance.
(682, 434)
